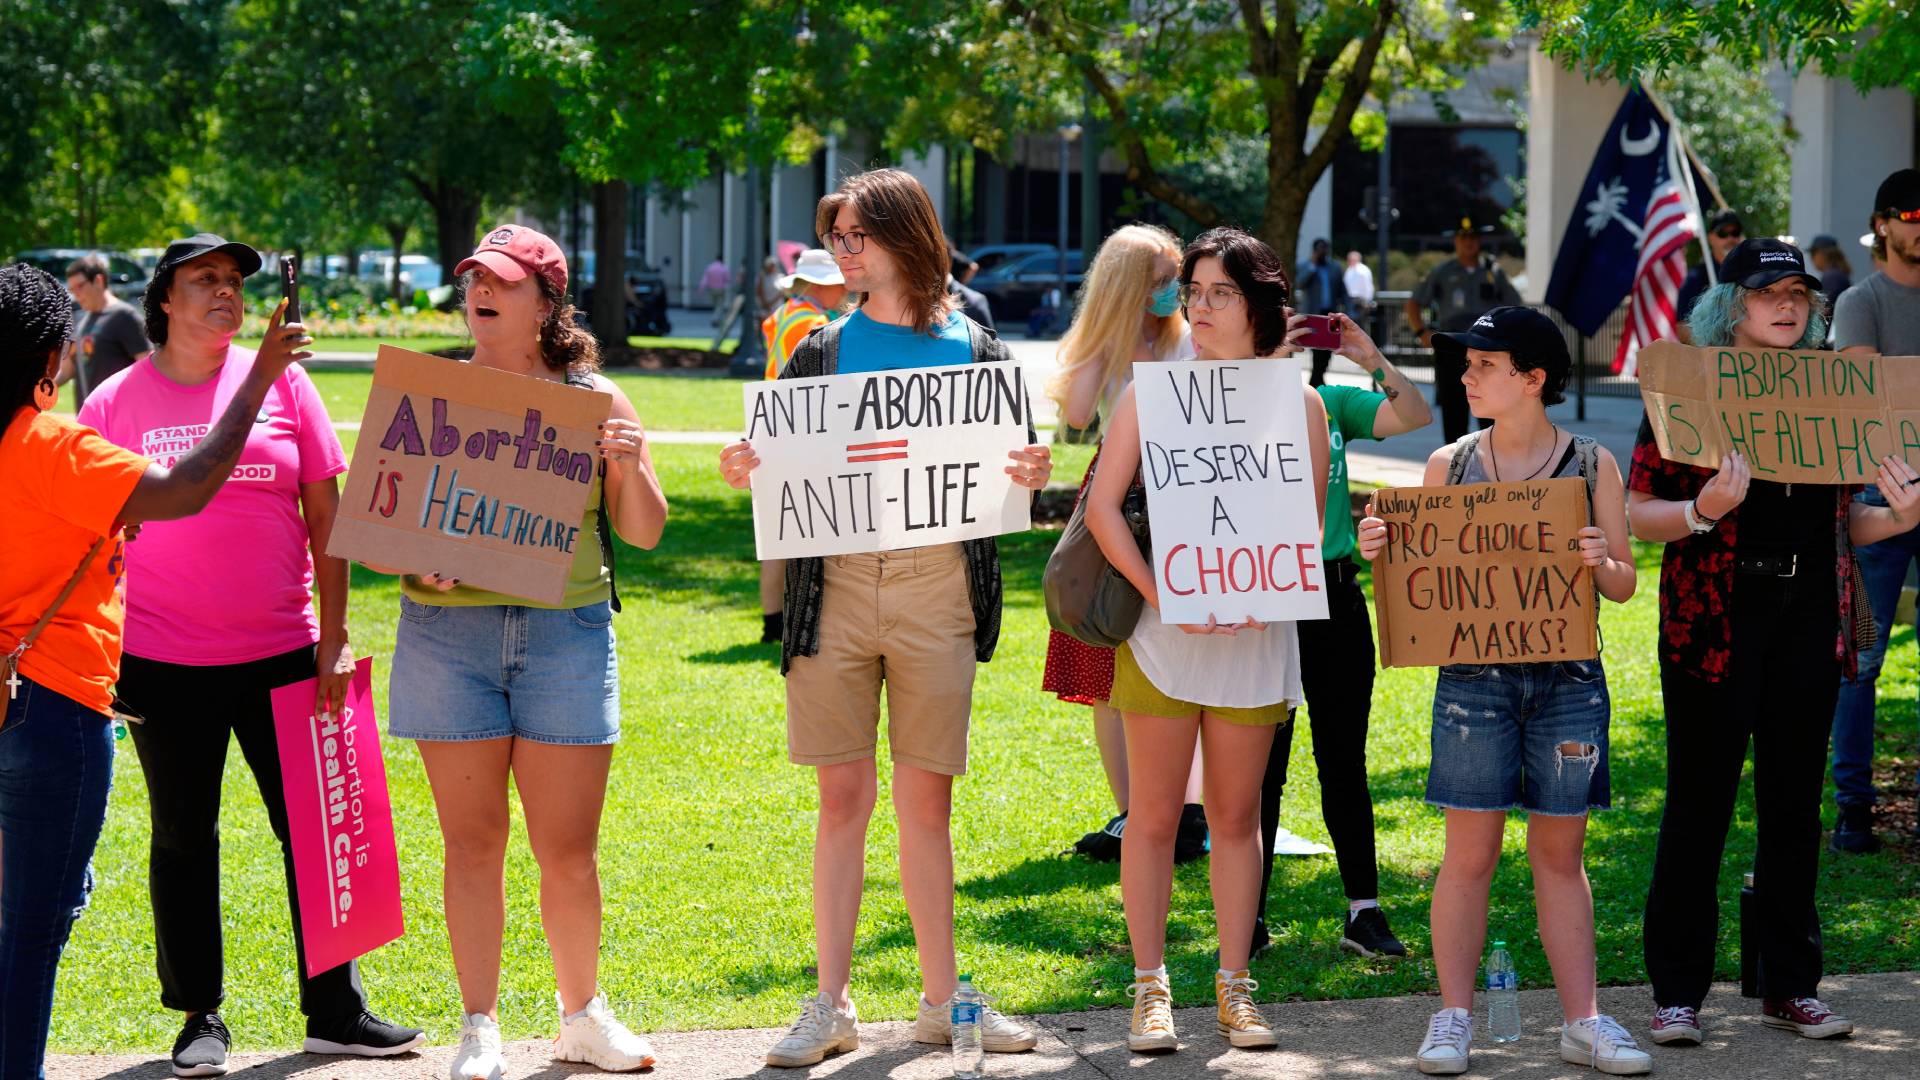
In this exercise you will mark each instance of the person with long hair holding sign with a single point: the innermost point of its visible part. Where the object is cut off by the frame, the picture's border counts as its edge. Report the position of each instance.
(220, 611)
(914, 623)
(1526, 736)
(1758, 610)
(68, 494)
(1226, 685)
(1127, 312)
(493, 686)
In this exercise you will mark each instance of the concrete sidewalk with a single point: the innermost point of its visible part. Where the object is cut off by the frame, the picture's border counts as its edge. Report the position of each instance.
(1364, 1038)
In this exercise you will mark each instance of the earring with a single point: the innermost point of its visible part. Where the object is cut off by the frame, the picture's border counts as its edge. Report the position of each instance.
(45, 394)
(538, 337)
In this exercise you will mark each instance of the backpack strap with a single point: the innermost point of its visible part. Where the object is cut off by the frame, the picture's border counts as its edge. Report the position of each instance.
(1588, 450)
(1463, 452)
(585, 382)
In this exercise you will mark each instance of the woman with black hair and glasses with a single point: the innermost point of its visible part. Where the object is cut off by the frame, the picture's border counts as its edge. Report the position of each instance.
(1227, 686)
(68, 493)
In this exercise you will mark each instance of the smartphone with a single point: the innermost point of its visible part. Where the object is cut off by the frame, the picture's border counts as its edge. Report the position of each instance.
(290, 287)
(1320, 333)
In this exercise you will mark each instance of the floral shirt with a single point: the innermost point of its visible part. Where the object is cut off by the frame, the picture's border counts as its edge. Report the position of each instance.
(1696, 573)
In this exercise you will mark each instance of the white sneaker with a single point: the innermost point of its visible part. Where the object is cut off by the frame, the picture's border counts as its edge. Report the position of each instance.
(1449, 1041)
(821, 1030)
(998, 1033)
(592, 1036)
(1600, 1042)
(479, 1055)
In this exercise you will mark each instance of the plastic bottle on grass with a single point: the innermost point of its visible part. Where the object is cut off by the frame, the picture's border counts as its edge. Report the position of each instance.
(1503, 995)
(969, 1055)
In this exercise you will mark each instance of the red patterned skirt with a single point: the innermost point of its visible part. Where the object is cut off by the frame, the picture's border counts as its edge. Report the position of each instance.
(1078, 672)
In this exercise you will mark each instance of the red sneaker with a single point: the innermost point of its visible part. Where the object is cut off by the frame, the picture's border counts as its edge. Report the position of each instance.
(1806, 1016)
(1679, 1024)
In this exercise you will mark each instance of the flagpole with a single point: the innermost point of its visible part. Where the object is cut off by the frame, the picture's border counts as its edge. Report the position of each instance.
(1687, 164)
(1706, 174)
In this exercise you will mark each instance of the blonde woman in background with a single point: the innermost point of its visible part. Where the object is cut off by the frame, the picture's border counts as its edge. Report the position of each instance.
(1128, 311)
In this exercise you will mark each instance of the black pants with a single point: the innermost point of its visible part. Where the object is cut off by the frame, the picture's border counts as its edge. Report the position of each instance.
(1780, 695)
(1451, 393)
(189, 712)
(1321, 358)
(1336, 671)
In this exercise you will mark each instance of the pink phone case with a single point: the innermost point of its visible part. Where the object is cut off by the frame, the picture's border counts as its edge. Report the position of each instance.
(1321, 335)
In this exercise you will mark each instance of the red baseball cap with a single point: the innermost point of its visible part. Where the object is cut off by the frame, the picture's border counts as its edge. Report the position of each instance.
(513, 251)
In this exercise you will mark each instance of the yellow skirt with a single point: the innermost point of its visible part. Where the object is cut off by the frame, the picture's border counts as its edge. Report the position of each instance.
(1133, 692)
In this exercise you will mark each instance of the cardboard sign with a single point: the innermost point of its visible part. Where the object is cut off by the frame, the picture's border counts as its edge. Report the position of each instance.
(1484, 574)
(472, 473)
(886, 459)
(1224, 453)
(1799, 416)
(345, 864)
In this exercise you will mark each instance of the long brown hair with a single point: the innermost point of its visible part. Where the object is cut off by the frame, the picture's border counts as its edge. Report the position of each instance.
(897, 214)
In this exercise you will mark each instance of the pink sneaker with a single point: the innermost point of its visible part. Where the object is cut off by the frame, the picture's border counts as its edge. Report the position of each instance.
(1678, 1024)
(1806, 1016)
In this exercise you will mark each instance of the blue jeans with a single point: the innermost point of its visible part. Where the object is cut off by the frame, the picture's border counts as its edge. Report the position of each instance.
(56, 766)
(1501, 734)
(1884, 566)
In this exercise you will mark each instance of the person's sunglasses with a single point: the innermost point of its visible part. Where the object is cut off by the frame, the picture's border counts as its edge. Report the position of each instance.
(1908, 216)
(1728, 234)
(853, 243)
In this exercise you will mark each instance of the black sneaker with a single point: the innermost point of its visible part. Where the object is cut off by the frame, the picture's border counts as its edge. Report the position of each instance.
(201, 1049)
(1261, 942)
(1853, 832)
(1192, 841)
(1368, 935)
(772, 627)
(1103, 844)
(360, 1035)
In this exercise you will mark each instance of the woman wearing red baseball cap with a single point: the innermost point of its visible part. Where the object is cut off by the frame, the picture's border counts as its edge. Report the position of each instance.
(490, 684)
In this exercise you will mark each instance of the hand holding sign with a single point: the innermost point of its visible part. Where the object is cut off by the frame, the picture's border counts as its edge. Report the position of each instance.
(1901, 485)
(1031, 466)
(1727, 489)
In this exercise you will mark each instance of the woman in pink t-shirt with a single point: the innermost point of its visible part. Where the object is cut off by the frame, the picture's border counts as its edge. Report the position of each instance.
(219, 612)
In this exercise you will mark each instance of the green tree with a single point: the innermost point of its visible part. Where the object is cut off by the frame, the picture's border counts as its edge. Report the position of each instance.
(1732, 121)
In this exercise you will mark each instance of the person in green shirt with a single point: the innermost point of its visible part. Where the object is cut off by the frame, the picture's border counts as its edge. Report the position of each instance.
(1336, 654)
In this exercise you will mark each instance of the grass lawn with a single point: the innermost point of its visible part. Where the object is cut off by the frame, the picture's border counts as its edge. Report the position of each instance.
(370, 345)
(665, 402)
(707, 835)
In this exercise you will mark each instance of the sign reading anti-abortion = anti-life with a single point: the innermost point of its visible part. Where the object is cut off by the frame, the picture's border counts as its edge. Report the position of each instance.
(882, 460)
(346, 868)
(472, 473)
(1799, 416)
(1230, 490)
(1484, 573)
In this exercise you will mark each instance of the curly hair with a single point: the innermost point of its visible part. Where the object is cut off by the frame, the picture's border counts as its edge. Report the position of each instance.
(36, 318)
(151, 301)
(1721, 308)
(1256, 271)
(565, 345)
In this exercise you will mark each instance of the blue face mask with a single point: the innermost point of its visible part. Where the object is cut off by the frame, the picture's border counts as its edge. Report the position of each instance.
(1166, 300)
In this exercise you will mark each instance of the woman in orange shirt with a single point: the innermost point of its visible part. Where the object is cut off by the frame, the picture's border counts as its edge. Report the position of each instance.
(68, 492)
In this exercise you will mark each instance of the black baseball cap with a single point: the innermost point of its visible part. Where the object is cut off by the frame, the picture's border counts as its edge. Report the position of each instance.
(205, 244)
(1899, 192)
(1522, 332)
(1720, 219)
(1759, 261)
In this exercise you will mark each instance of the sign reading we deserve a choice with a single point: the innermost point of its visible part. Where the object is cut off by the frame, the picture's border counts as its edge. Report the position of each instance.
(1800, 416)
(1484, 574)
(887, 459)
(1229, 477)
(473, 473)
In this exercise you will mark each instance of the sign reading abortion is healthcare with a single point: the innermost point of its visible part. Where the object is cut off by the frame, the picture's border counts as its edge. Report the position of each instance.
(886, 459)
(471, 473)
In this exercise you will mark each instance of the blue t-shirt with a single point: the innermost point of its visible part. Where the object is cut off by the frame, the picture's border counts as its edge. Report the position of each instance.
(867, 345)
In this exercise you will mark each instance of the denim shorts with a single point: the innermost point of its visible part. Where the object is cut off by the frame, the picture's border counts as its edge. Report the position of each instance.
(547, 675)
(1498, 733)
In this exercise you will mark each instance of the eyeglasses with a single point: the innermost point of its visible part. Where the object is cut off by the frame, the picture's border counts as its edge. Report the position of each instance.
(1728, 234)
(1211, 297)
(1901, 215)
(853, 243)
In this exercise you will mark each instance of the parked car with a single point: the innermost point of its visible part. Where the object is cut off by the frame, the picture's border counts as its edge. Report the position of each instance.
(1015, 287)
(646, 295)
(125, 278)
(988, 256)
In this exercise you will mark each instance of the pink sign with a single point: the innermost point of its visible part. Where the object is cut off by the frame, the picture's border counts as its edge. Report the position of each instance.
(344, 860)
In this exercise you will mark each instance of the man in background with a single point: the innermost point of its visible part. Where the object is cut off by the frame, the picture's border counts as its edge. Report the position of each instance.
(108, 333)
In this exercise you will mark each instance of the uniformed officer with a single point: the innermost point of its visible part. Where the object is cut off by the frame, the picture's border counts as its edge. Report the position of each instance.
(1458, 291)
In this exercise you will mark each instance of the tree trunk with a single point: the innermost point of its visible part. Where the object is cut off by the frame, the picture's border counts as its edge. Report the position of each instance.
(610, 262)
(397, 238)
(456, 221)
(351, 259)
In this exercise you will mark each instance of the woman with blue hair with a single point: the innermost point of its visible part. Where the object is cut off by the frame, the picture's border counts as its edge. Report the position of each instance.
(1756, 629)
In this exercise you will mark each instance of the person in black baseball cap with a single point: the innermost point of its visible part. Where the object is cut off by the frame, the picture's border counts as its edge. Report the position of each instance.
(1766, 289)
(1724, 232)
(233, 257)
(1516, 725)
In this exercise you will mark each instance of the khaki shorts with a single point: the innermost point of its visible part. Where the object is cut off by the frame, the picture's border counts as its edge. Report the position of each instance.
(1134, 693)
(899, 618)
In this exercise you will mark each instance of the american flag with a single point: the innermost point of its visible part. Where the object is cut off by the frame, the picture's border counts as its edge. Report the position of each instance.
(1668, 227)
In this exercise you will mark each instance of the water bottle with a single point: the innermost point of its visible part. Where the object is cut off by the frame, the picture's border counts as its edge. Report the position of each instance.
(1503, 995)
(969, 1055)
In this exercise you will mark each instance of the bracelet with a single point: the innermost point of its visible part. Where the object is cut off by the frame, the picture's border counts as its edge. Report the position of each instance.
(1695, 523)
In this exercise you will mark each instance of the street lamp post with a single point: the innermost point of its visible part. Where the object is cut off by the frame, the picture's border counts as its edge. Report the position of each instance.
(1068, 133)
